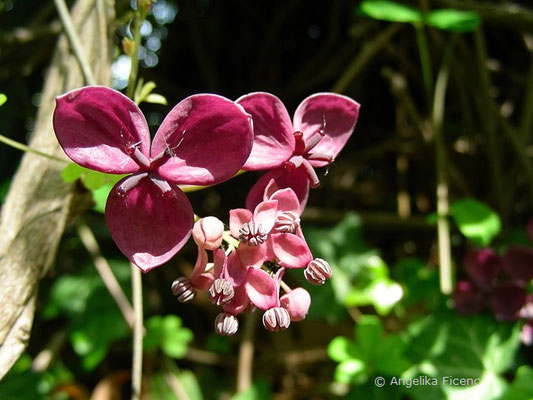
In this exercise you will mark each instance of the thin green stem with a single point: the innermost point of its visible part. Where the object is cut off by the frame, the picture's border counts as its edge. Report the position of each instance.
(23, 147)
(136, 371)
(443, 227)
(75, 42)
(134, 56)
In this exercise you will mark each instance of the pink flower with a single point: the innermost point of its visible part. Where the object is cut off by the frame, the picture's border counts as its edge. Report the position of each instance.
(260, 242)
(297, 303)
(321, 127)
(204, 140)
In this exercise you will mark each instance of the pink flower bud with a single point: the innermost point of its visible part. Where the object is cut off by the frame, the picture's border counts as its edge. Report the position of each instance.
(226, 324)
(183, 290)
(317, 272)
(297, 303)
(276, 319)
(221, 292)
(207, 233)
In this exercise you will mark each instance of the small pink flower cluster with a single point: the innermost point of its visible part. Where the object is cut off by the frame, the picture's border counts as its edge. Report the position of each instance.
(247, 274)
(500, 281)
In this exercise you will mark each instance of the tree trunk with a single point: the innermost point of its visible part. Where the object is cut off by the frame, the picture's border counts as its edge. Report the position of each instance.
(37, 206)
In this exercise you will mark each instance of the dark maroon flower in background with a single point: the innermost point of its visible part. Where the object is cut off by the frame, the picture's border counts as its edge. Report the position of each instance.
(506, 301)
(483, 266)
(204, 140)
(322, 125)
(518, 263)
(467, 298)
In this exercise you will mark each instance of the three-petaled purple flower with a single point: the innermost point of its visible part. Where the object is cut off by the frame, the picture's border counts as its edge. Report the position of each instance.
(204, 140)
(321, 127)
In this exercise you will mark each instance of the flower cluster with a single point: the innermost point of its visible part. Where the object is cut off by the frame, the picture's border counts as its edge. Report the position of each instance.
(266, 237)
(500, 281)
(204, 140)
(247, 274)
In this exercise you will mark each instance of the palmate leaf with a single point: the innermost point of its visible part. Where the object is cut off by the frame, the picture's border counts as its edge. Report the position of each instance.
(167, 333)
(447, 345)
(360, 276)
(372, 353)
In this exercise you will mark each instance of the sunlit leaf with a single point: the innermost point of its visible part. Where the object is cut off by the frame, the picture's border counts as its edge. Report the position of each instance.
(477, 221)
(351, 371)
(167, 333)
(73, 172)
(3, 99)
(521, 387)
(155, 98)
(340, 349)
(94, 180)
(390, 11)
(453, 20)
(448, 345)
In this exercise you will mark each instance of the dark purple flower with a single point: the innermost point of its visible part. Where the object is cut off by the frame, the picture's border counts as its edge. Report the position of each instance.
(483, 266)
(506, 301)
(321, 127)
(204, 140)
(467, 299)
(518, 262)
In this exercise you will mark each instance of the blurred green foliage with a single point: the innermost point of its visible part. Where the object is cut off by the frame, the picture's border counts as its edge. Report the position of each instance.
(476, 221)
(446, 19)
(168, 334)
(360, 276)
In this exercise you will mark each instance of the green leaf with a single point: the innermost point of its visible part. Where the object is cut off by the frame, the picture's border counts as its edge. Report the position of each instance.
(155, 98)
(341, 349)
(260, 390)
(351, 371)
(3, 99)
(97, 328)
(95, 321)
(446, 344)
(420, 282)
(190, 384)
(100, 197)
(168, 334)
(73, 172)
(360, 276)
(476, 221)
(93, 180)
(453, 20)
(390, 11)
(368, 334)
(521, 388)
